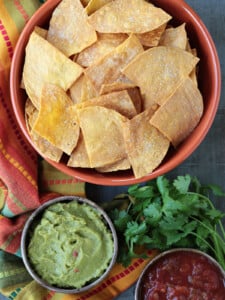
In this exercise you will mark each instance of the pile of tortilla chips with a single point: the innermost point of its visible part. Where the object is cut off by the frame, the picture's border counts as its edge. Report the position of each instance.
(111, 84)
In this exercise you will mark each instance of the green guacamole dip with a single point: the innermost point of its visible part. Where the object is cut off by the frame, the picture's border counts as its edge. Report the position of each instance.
(71, 245)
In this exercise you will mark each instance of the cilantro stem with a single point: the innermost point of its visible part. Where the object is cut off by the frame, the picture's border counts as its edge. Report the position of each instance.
(212, 206)
(203, 240)
(218, 242)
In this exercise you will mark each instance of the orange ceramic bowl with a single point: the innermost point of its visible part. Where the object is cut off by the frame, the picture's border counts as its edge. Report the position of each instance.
(209, 84)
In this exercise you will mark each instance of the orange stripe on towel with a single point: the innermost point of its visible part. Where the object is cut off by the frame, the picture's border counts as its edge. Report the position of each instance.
(17, 165)
(119, 279)
(22, 11)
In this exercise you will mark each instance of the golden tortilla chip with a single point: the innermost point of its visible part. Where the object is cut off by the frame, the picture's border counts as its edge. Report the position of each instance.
(129, 87)
(181, 113)
(146, 146)
(45, 63)
(159, 71)
(69, 30)
(108, 69)
(88, 91)
(94, 5)
(22, 86)
(118, 101)
(57, 120)
(151, 38)
(134, 16)
(31, 113)
(101, 128)
(79, 157)
(193, 74)
(174, 37)
(41, 31)
(75, 90)
(122, 83)
(123, 164)
(105, 44)
(44, 147)
(82, 90)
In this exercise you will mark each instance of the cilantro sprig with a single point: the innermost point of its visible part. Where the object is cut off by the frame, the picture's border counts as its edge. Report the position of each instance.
(165, 214)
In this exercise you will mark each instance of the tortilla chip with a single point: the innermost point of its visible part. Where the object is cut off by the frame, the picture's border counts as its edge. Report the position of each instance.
(147, 101)
(105, 44)
(174, 37)
(22, 86)
(57, 120)
(41, 31)
(101, 128)
(164, 71)
(69, 30)
(45, 63)
(82, 90)
(79, 157)
(44, 147)
(134, 16)
(151, 38)
(88, 91)
(108, 69)
(118, 101)
(146, 146)
(180, 114)
(94, 5)
(193, 74)
(122, 83)
(75, 90)
(123, 164)
(31, 113)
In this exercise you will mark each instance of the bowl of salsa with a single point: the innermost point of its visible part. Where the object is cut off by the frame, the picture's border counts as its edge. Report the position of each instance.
(181, 274)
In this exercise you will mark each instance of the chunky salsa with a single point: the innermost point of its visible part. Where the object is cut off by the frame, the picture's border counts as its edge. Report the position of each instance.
(183, 275)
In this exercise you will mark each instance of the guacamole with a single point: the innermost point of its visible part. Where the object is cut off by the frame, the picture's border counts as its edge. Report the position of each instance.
(71, 245)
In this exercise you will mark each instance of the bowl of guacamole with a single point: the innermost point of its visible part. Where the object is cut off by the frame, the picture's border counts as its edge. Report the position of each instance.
(69, 244)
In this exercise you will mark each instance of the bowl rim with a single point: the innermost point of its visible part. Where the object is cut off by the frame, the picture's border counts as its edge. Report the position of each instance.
(36, 213)
(168, 252)
(115, 178)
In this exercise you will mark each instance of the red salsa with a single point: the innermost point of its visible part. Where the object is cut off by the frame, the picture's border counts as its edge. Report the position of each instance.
(183, 275)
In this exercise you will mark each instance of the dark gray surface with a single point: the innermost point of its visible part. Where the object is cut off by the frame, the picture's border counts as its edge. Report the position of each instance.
(208, 161)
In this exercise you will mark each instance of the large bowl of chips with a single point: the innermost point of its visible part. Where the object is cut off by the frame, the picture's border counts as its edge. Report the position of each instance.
(115, 92)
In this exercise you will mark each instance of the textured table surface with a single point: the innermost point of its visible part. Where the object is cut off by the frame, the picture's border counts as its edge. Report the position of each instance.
(208, 161)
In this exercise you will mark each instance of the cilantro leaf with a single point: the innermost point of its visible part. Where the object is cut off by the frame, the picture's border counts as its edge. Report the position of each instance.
(215, 189)
(121, 218)
(182, 183)
(162, 184)
(152, 213)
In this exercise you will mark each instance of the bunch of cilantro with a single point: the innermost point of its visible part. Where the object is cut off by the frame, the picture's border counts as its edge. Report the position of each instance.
(166, 214)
